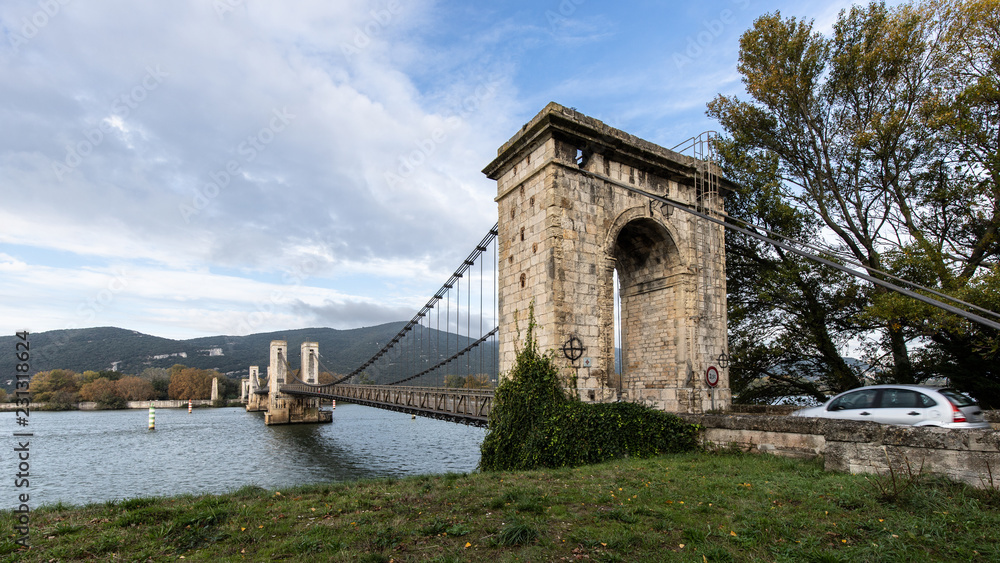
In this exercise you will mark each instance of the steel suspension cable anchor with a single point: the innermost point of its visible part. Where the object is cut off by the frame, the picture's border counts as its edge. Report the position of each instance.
(903, 291)
(702, 148)
(853, 261)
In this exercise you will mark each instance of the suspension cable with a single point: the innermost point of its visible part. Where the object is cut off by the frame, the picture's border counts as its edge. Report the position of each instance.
(480, 248)
(450, 359)
(684, 207)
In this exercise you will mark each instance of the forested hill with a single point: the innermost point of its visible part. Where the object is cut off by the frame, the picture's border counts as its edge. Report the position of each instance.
(128, 351)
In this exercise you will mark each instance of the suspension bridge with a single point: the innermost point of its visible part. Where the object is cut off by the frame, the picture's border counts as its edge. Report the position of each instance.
(580, 242)
(615, 243)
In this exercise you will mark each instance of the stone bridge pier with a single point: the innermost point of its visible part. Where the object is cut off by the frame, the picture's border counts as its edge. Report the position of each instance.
(255, 401)
(288, 409)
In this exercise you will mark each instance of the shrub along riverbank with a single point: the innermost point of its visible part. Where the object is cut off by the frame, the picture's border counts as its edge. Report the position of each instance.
(676, 507)
(534, 423)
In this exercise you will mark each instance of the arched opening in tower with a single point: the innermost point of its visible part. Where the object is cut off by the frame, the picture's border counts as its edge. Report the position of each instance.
(645, 255)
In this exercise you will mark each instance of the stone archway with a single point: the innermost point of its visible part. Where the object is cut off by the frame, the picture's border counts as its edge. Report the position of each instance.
(568, 216)
(646, 259)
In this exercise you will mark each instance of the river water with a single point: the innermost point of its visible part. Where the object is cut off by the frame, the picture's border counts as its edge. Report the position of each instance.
(80, 457)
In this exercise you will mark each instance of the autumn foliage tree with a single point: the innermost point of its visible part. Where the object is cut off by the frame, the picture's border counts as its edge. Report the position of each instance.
(104, 392)
(190, 383)
(882, 141)
(133, 388)
(46, 384)
(62, 388)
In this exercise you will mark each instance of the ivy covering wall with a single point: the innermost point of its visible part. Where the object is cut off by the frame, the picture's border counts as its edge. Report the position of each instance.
(533, 423)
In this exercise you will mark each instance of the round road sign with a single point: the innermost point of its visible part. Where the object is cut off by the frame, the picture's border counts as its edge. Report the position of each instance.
(712, 376)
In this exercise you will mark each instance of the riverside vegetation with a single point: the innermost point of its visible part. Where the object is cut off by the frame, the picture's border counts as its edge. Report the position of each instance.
(533, 423)
(677, 507)
(688, 506)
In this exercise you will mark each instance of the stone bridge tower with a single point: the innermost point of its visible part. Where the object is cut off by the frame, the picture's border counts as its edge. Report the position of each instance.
(285, 408)
(277, 375)
(254, 401)
(569, 220)
(310, 363)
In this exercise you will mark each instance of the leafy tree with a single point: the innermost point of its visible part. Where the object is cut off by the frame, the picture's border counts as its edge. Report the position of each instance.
(62, 400)
(162, 388)
(104, 392)
(46, 384)
(228, 388)
(477, 381)
(788, 318)
(964, 111)
(86, 377)
(869, 133)
(454, 381)
(133, 388)
(191, 383)
(160, 379)
(98, 390)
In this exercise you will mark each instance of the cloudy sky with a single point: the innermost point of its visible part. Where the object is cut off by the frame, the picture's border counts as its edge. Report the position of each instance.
(174, 167)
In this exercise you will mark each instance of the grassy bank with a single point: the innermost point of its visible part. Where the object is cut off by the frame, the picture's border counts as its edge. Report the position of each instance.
(686, 507)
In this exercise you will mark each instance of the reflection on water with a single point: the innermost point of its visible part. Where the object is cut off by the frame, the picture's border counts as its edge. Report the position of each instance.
(81, 457)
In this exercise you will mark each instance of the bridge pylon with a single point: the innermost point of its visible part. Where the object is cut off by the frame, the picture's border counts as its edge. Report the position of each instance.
(572, 213)
(288, 409)
(256, 397)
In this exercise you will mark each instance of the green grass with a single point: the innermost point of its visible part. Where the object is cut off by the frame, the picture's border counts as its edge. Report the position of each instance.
(688, 507)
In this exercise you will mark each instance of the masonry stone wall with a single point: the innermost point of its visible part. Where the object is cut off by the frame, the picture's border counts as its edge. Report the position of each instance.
(969, 456)
(160, 404)
(567, 220)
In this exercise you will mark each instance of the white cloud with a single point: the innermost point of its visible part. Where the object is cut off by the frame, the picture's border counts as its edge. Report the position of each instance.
(214, 157)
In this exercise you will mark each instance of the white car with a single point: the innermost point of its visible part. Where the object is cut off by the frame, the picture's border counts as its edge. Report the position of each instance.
(911, 405)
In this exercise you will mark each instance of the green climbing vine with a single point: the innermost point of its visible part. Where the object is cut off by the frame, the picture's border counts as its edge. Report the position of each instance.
(533, 423)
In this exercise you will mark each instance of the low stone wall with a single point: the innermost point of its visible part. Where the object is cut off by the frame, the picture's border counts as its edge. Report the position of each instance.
(763, 409)
(167, 404)
(969, 456)
(171, 404)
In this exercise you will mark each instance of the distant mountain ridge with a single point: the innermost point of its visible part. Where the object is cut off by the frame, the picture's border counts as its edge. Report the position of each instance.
(130, 352)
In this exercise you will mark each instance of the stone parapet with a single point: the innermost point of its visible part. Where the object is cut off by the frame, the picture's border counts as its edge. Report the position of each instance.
(969, 456)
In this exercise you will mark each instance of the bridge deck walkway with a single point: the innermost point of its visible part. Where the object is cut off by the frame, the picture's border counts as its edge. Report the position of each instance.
(467, 406)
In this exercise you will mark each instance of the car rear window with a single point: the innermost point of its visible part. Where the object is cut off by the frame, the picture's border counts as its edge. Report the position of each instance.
(958, 399)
